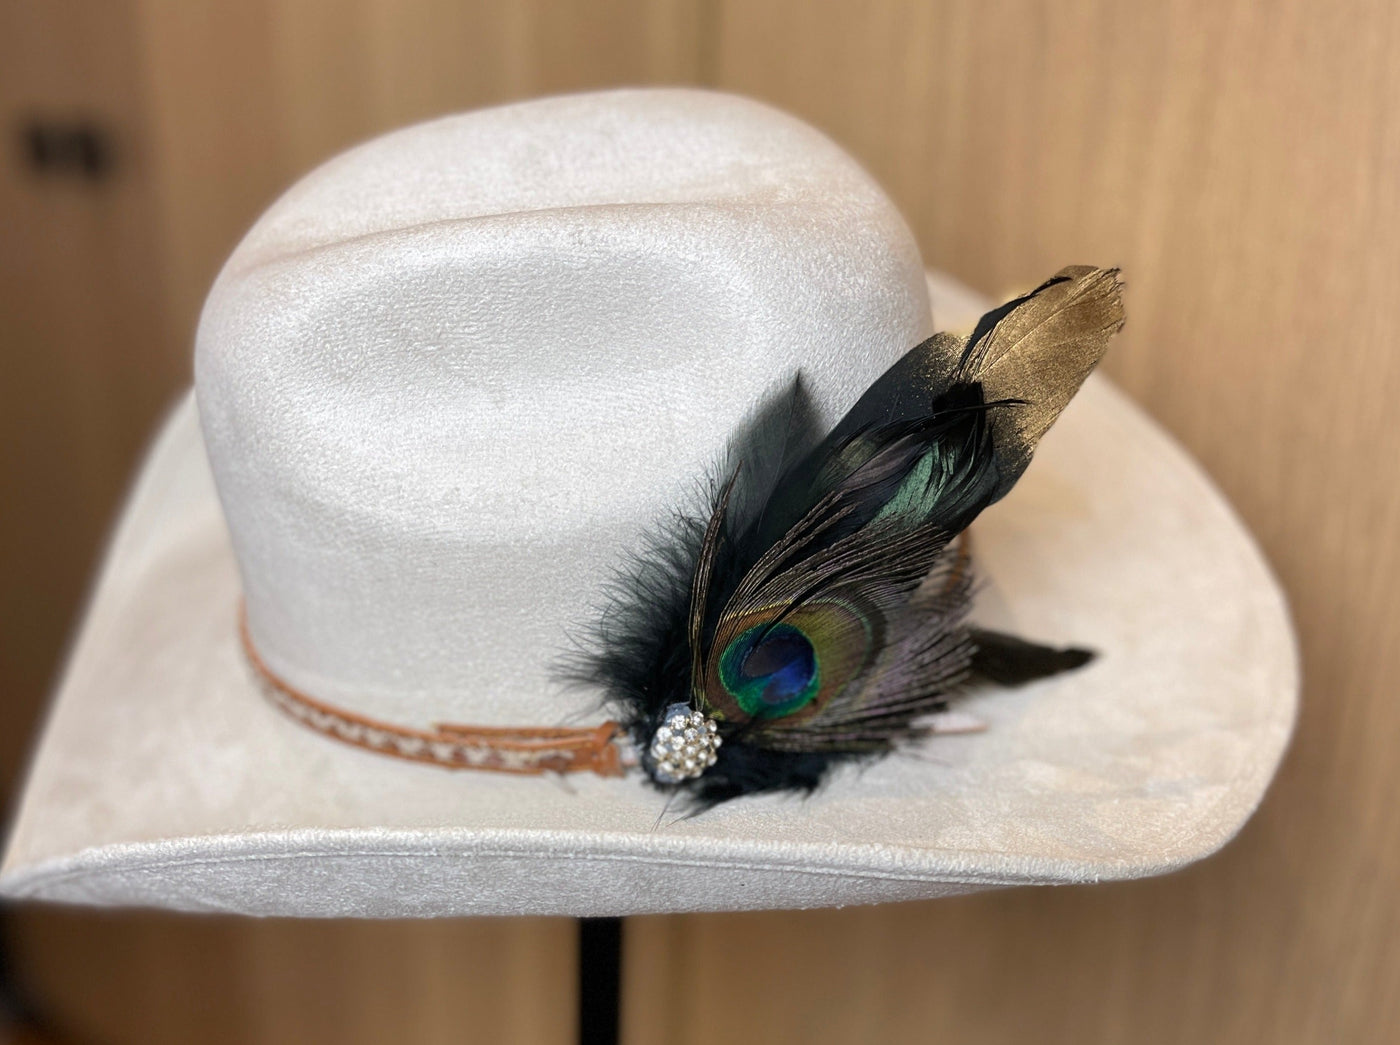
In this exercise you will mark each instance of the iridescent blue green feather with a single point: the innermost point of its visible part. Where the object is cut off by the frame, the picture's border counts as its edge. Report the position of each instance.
(820, 611)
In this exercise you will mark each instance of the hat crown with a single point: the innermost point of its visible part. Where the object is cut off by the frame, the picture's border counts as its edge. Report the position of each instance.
(451, 379)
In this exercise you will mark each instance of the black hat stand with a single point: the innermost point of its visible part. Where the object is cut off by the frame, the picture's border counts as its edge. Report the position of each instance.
(599, 980)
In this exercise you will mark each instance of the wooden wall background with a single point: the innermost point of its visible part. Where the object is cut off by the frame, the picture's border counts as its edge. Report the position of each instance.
(1240, 159)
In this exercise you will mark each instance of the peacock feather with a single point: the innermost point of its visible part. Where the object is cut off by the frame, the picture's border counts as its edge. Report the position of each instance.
(819, 611)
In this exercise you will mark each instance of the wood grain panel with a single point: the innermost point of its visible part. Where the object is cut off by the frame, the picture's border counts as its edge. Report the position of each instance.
(144, 977)
(1241, 160)
(84, 368)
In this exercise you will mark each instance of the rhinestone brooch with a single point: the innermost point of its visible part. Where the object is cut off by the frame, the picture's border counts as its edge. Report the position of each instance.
(684, 746)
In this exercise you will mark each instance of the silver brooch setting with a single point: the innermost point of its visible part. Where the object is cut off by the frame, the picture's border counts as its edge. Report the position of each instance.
(684, 746)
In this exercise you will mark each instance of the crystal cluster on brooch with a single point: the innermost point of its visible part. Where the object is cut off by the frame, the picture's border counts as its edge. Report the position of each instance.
(684, 746)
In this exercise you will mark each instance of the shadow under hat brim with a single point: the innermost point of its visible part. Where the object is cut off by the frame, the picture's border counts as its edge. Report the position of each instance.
(163, 777)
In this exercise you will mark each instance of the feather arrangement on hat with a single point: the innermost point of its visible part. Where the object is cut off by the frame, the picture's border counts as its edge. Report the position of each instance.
(819, 613)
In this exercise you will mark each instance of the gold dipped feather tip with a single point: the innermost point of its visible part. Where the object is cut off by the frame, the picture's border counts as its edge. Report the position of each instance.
(1038, 349)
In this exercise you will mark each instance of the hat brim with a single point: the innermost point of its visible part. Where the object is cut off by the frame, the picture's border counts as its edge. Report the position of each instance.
(164, 779)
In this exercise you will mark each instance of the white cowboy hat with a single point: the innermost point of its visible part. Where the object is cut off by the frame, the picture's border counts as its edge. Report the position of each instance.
(445, 384)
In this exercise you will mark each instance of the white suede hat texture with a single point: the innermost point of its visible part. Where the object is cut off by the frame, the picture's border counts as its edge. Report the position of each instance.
(443, 387)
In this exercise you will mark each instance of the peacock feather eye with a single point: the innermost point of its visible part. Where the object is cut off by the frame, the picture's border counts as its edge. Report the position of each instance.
(770, 664)
(771, 670)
